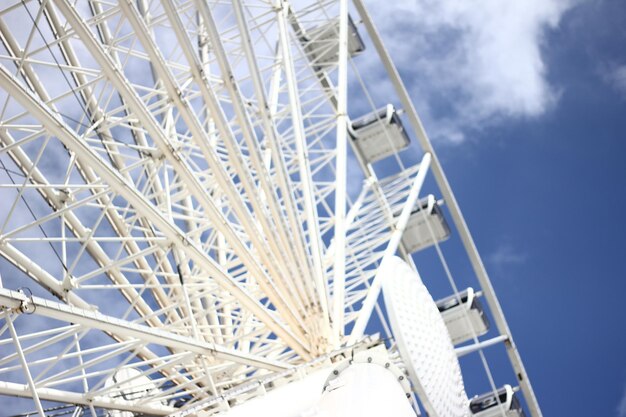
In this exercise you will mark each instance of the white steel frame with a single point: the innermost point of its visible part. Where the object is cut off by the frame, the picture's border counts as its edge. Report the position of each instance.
(175, 192)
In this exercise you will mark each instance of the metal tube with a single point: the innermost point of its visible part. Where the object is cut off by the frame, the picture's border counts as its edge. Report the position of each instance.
(115, 326)
(280, 297)
(465, 350)
(50, 394)
(339, 264)
(374, 291)
(301, 272)
(302, 152)
(29, 377)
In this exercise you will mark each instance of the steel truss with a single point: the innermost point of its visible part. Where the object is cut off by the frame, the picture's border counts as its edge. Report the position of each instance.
(178, 200)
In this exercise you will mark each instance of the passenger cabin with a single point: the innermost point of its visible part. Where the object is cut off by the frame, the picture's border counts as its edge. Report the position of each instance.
(321, 43)
(426, 225)
(379, 134)
(502, 403)
(454, 314)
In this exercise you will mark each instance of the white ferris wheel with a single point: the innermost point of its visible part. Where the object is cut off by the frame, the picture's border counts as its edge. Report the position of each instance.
(214, 207)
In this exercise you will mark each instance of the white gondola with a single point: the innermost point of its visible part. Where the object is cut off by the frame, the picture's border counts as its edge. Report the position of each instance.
(322, 42)
(505, 403)
(426, 225)
(466, 319)
(379, 134)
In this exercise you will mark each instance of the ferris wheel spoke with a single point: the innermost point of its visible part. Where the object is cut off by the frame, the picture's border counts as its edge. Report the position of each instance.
(271, 139)
(310, 208)
(69, 218)
(236, 158)
(55, 357)
(138, 109)
(277, 276)
(67, 136)
(179, 368)
(270, 131)
(81, 232)
(297, 278)
(307, 283)
(197, 131)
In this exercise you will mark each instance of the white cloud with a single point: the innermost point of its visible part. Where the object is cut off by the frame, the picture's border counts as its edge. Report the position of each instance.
(621, 408)
(468, 63)
(616, 77)
(506, 255)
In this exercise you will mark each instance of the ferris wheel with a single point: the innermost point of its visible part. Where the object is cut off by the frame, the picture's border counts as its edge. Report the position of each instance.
(212, 207)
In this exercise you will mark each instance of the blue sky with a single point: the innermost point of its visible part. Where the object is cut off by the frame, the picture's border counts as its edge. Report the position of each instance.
(531, 134)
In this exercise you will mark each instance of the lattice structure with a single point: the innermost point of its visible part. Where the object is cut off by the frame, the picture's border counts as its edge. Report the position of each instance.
(183, 209)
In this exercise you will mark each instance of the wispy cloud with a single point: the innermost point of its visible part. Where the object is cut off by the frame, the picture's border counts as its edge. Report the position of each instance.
(472, 63)
(506, 255)
(621, 408)
(615, 76)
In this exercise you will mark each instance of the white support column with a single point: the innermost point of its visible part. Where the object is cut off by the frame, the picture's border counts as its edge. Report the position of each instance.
(328, 87)
(341, 169)
(374, 290)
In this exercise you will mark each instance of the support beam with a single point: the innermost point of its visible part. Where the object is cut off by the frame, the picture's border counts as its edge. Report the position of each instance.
(466, 350)
(279, 243)
(110, 403)
(295, 243)
(95, 320)
(43, 278)
(328, 87)
(20, 353)
(96, 113)
(266, 111)
(374, 290)
(78, 229)
(341, 171)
